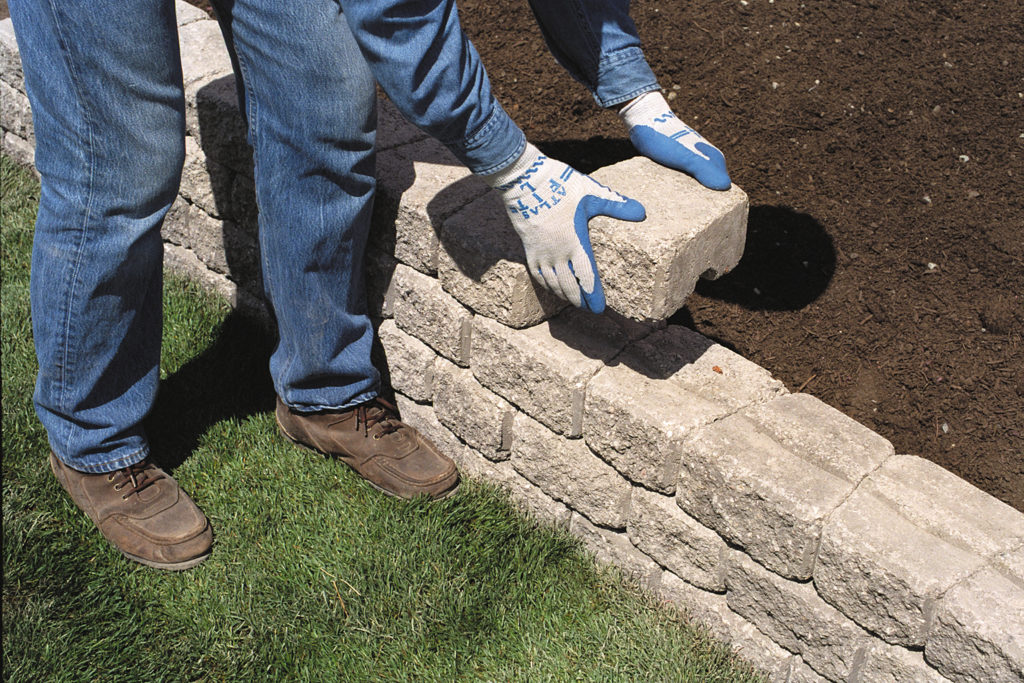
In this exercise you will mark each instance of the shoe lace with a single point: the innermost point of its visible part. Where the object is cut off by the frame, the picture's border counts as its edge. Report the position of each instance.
(141, 476)
(378, 412)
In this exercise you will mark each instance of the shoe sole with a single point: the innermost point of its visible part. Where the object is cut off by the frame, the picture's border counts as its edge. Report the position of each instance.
(332, 456)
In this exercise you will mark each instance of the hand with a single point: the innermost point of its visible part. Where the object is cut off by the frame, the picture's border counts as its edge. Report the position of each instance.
(551, 204)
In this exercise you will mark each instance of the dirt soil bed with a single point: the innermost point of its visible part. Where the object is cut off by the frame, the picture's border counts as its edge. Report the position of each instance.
(881, 146)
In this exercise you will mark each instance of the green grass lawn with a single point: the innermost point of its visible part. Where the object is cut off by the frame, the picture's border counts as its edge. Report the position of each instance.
(314, 575)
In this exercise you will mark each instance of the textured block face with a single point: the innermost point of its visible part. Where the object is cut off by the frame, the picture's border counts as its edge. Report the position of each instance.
(419, 186)
(676, 541)
(188, 13)
(639, 425)
(649, 269)
(20, 150)
(422, 418)
(380, 292)
(15, 113)
(205, 182)
(700, 366)
(544, 370)
(888, 664)
(425, 311)
(213, 119)
(614, 548)
(10, 57)
(410, 362)
(204, 56)
(794, 616)
(477, 416)
(219, 244)
(566, 470)
(979, 625)
(482, 264)
(757, 494)
(883, 571)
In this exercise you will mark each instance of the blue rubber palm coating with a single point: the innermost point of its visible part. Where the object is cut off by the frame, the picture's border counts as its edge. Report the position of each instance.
(668, 152)
(590, 206)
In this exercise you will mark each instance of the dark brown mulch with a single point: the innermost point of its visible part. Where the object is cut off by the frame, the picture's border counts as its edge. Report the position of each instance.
(881, 146)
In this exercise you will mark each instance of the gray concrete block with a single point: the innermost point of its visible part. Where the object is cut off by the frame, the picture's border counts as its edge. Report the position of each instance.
(204, 56)
(15, 113)
(205, 182)
(793, 615)
(676, 541)
(185, 263)
(212, 117)
(527, 497)
(639, 425)
(649, 269)
(19, 149)
(410, 362)
(10, 57)
(477, 416)
(242, 204)
(425, 311)
(612, 548)
(219, 244)
(757, 494)
(421, 417)
(711, 612)
(700, 366)
(544, 369)
(380, 293)
(392, 128)
(568, 471)
(885, 572)
(188, 13)
(821, 435)
(884, 663)
(978, 631)
(418, 187)
(482, 264)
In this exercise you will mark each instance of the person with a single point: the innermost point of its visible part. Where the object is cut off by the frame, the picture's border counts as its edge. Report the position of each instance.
(105, 85)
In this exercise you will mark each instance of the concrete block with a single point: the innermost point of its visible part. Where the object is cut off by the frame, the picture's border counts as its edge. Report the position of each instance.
(188, 13)
(380, 293)
(793, 615)
(392, 128)
(938, 501)
(418, 187)
(566, 470)
(219, 244)
(10, 57)
(212, 117)
(649, 269)
(676, 541)
(884, 663)
(204, 56)
(422, 418)
(799, 672)
(410, 362)
(20, 149)
(700, 366)
(885, 572)
(15, 113)
(480, 418)
(185, 262)
(482, 264)
(759, 495)
(205, 182)
(242, 204)
(424, 310)
(978, 631)
(529, 498)
(711, 612)
(638, 425)
(821, 435)
(544, 369)
(610, 547)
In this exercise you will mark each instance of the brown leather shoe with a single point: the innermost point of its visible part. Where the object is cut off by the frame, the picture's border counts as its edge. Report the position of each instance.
(143, 512)
(392, 456)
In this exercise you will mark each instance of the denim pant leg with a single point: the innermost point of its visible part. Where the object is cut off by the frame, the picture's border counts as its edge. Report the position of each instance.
(105, 86)
(597, 43)
(310, 105)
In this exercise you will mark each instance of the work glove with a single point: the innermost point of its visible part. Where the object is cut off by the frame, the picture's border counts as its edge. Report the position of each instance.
(658, 133)
(551, 204)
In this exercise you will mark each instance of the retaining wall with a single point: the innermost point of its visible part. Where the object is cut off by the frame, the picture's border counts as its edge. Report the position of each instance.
(789, 530)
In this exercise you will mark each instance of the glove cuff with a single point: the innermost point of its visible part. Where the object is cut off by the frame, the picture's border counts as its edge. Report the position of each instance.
(640, 111)
(507, 177)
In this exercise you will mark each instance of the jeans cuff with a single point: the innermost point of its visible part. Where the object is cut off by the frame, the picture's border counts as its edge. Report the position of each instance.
(319, 408)
(497, 143)
(623, 75)
(108, 465)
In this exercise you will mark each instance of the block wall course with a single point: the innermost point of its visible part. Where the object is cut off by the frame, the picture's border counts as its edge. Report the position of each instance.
(212, 117)
(380, 293)
(10, 59)
(204, 56)
(612, 548)
(569, 472)
(15, 113)
(477, 416)
(19, 149)
(676, 541)
(884, 663)
(410, 362)
(424, 310)
(205, 182)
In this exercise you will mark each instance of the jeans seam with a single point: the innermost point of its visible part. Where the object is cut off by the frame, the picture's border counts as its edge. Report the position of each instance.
(68, 301)
(357, 400)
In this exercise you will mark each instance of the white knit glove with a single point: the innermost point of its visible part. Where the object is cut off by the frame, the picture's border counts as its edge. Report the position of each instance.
(551, 205)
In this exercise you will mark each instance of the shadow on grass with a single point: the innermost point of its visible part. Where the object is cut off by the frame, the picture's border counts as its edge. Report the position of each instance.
(230, 379)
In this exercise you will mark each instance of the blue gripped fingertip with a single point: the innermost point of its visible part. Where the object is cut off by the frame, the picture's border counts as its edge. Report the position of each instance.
(710, 173)
(594, 301)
